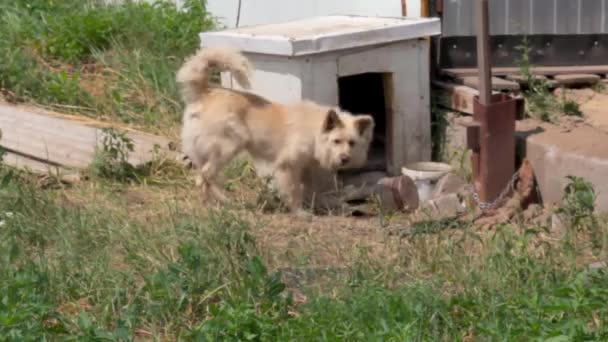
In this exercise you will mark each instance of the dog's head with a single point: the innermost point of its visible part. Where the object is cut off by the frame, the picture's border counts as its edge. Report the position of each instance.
(344, 140)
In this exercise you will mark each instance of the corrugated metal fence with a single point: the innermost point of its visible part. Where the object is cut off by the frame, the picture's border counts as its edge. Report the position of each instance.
(534, 17)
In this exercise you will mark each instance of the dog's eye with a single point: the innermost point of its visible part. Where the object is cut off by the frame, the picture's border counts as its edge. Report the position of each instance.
(351, 143)
(337, 141)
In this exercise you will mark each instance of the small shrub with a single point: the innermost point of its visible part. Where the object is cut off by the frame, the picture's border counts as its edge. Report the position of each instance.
(579, 199)
(569, 107)
(540, 102)
(112, 161)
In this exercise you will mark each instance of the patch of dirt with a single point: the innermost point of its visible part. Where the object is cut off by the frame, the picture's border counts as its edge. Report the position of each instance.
(593, 104)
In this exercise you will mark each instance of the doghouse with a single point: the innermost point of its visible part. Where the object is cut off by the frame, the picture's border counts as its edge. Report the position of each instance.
(373, 65)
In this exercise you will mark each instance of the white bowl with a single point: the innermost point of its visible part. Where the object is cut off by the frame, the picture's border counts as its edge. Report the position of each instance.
(429, 171)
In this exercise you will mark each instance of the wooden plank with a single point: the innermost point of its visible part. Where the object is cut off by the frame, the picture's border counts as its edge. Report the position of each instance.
(570, 80)
(31, 165)
(62, 141)
(547, 71)
(524, 80)
(497, 83)
(455, 96)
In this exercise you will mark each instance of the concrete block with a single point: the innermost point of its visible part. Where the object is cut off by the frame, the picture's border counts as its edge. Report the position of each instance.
(556, 154)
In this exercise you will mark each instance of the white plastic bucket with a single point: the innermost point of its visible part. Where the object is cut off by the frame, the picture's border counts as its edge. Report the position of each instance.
(425, 175)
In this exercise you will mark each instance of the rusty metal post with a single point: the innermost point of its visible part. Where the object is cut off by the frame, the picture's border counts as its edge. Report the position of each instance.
(496, 154)
(483, 52)
(491, 135)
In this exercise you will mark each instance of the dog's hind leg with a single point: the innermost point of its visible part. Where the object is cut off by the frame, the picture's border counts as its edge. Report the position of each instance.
(220, 155)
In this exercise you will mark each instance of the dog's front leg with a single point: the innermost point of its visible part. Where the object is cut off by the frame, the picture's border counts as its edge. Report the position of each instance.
(289, 182)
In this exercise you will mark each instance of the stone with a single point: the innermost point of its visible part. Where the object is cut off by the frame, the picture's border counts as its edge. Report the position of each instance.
(444, 206)
(398, 193)
(532, 212)
(558, 225)
(449, 184)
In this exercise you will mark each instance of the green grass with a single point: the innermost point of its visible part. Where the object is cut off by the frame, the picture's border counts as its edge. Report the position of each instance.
(96, 270)
(109, 62)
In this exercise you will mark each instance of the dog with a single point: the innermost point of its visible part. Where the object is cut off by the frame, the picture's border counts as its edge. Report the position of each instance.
(219, 123)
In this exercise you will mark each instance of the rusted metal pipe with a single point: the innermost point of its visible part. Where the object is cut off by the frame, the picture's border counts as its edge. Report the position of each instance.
(491, 135)
(483, 52)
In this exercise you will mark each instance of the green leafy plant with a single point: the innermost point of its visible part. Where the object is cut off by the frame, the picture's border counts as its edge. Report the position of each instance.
(112, 161)
(579, 200)
(540, 102)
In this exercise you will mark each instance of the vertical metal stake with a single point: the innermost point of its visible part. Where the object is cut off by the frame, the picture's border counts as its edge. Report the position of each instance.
(483, 52)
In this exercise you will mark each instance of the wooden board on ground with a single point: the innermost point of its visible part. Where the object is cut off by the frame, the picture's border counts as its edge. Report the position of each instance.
(571, 80)
(503, 71)
(61, 140)
(456, 96)
(31, 165)
(497, 83)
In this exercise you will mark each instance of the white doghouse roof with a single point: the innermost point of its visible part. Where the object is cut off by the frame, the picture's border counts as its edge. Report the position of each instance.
(321, 34)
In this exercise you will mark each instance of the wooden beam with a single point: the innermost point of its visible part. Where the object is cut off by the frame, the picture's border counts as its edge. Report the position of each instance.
(456, 96)
(504, 71)
(495, 84)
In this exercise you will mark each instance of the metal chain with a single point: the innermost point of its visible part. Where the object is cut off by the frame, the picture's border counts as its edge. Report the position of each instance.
(486, 206)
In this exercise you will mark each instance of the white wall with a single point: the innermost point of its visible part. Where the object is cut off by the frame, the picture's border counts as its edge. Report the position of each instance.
(254, 12)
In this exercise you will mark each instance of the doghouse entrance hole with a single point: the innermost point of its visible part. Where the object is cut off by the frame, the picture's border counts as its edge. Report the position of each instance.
(369, 93)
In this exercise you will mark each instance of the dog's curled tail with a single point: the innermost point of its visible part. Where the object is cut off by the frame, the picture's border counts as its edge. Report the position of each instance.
(194, 74)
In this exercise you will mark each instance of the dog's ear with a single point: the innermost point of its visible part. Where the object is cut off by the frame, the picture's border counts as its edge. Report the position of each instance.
(332, 120)
(364, 123)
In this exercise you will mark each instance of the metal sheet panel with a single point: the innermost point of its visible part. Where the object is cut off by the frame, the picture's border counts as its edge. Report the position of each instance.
(529, 17)
(467, 13)
(451, 17)
(543, 16)
(591, 16)
(605, 16)
(519, 16)
(498, 22)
